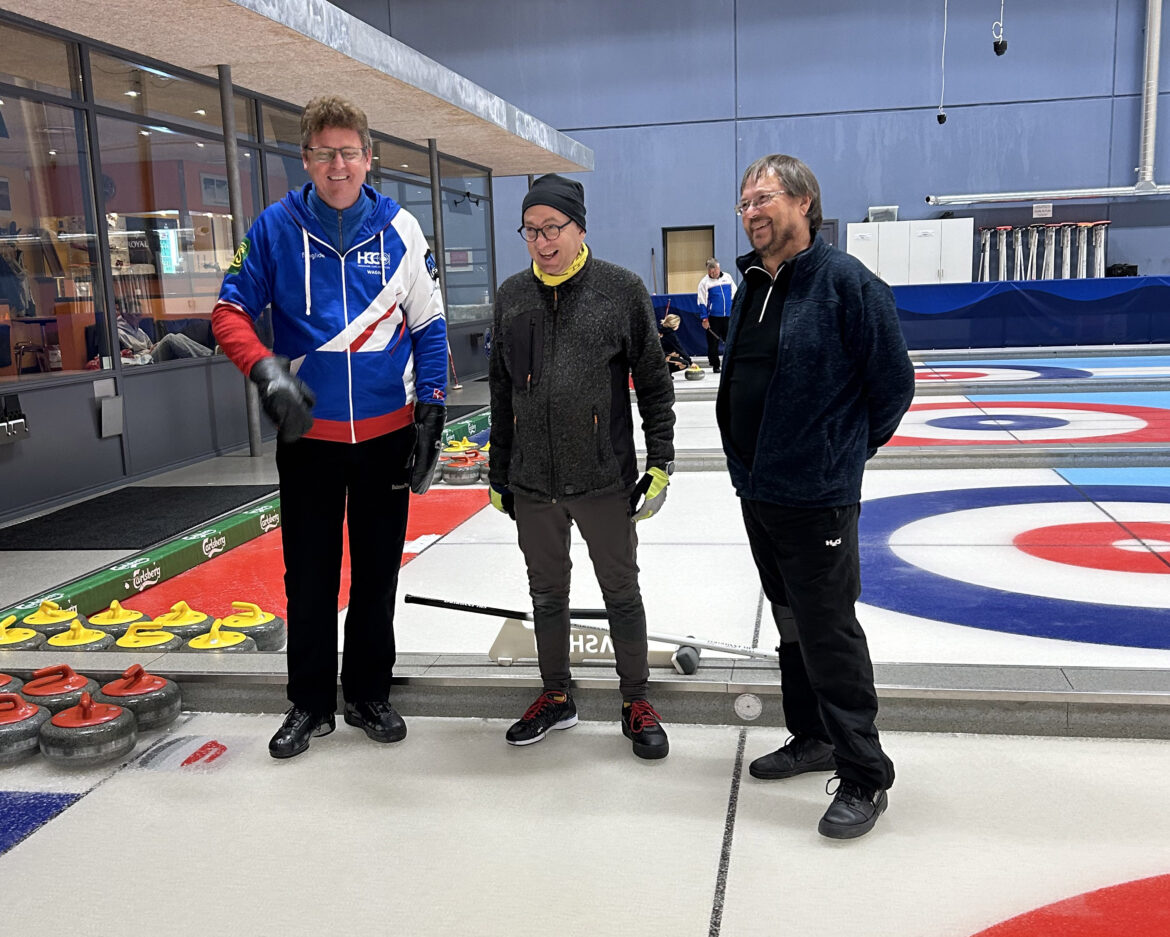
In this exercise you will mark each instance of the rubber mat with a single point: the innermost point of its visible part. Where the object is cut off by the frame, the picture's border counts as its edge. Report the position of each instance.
(129, 519)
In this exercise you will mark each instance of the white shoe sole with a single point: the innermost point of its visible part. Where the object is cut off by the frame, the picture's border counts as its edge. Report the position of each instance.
(563, 724)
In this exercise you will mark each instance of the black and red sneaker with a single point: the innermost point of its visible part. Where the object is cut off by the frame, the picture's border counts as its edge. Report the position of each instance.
(643, 726)
(553, 709)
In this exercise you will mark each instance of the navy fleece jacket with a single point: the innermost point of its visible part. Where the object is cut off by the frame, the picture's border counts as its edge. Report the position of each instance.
(842, 382)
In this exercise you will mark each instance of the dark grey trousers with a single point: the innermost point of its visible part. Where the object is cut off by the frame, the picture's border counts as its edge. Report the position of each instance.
(605, 524)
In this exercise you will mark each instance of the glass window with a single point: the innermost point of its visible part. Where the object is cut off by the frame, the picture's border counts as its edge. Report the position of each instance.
(154, 93)
(52, 315)
(169, 226)
(467, 236)
(284, 173)
(457, 175)
(402, 160)
(34, 61)
(415, 198)
(281, 127)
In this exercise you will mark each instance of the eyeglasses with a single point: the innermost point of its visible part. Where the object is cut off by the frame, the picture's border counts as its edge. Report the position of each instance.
(325, 154)
(760, 201)
(550, 231)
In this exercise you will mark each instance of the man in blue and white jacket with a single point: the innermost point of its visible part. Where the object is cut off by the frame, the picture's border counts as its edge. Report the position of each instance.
(357, 390)
(715, 293)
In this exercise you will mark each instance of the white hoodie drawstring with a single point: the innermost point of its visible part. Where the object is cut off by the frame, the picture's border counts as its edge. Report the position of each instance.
(382, 256)
(308, 290)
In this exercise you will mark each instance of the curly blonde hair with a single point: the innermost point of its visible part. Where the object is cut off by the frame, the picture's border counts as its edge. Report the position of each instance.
(329, 110)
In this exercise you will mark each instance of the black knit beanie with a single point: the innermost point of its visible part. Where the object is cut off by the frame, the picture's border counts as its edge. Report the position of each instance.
(566, 195)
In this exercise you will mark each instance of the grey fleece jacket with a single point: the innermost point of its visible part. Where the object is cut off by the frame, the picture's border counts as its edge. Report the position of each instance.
(562, 423)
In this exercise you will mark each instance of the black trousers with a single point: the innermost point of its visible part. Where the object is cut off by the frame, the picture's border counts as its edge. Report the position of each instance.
(605, 524)
(810, 571)
(323, 485)
(715, 333)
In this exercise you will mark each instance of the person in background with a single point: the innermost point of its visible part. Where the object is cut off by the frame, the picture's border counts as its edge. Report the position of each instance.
(715, 295)
(816, 379)
(357, 388)
(567, 334)
(676, 357)
(140, 348)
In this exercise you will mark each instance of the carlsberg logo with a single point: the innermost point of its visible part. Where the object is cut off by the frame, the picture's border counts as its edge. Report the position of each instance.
(147, 577)
(214, 545)
(269, 521)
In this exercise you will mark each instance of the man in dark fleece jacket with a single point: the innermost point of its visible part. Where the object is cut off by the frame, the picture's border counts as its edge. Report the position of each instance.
(568, 333)
(816, 378)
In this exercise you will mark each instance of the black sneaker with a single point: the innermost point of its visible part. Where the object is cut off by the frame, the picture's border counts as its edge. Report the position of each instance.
(378, 719)
(643, 726)
(299, 726)
(553, 709)
(853, 812)
(799, 755)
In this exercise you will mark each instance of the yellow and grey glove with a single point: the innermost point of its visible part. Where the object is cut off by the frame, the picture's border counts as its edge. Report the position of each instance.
(503, 500)
(653, 486)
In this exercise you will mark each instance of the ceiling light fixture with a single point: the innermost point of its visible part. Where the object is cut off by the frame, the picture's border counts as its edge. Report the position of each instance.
(131, 94)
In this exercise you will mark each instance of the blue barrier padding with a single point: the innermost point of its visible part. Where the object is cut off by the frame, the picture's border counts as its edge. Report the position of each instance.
(1005, 314)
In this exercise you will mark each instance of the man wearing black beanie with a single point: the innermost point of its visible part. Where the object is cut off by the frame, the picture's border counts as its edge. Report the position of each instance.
(569, 332)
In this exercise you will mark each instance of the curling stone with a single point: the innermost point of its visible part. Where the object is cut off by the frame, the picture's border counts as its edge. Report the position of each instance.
(51, 619)
(154, 701)
(10, 684)
(88, 733)
(80, 638)
(265, 628)
(20, 726)
(694, 373)
(461, 471)
(18, 639)
(115, 619)
(183, 621)
(463, 447)
(144, 636)
(57, 688)
(228, 642)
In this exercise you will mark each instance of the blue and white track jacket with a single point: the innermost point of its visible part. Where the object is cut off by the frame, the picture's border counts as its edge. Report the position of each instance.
(715, 296)
(365, 329)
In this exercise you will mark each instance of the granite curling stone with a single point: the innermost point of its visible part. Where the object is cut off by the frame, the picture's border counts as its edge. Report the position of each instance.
(183, 621)
(154, 701)
(265, 628)
(145, 636)
(116, 619)
(18, 639)
(57, 688)
(51, 619)
(10, 684)
(218, 640)
(20, 727)
(80, 638)
(88, 734)
(461, 471)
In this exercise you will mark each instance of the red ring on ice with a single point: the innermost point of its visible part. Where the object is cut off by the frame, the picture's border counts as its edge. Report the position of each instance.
(1101, 545)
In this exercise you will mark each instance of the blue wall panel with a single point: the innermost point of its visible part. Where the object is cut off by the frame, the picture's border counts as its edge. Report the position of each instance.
(852, 88)
(595, 64)
(898, 158)
(840, 55)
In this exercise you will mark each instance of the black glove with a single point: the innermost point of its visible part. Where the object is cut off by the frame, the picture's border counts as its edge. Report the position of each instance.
(287, 400)
(429, 420)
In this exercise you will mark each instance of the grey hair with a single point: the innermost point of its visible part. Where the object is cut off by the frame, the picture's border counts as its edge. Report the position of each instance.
(712, 262)
(798, 180)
